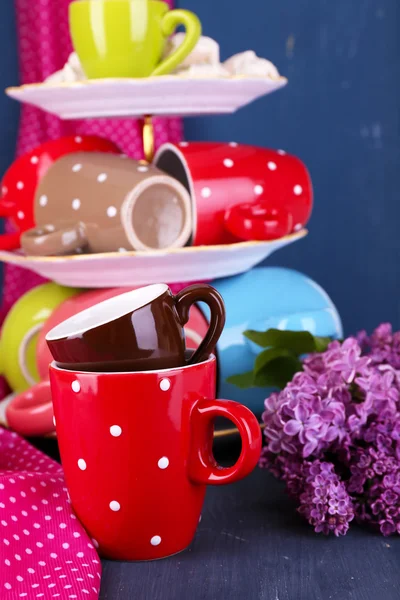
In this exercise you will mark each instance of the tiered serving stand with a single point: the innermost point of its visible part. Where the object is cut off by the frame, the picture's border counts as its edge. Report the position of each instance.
(171, 95)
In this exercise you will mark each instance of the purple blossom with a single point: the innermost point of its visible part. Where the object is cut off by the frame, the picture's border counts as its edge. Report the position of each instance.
(345, 404)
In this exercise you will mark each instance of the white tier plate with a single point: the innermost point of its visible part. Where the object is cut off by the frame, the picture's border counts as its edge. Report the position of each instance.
(166, 96)
(201, 263)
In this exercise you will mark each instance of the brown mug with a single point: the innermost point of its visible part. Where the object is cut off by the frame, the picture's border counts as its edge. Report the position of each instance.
(97, 202)
(140, 330)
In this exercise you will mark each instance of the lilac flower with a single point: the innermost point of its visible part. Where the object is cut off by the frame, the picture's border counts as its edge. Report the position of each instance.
(345, 404)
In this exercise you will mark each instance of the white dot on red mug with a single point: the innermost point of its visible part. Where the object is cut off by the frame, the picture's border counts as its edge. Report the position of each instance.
(20, 185)
(298, 227)
(111, 211)
(76, 204)
(76, 386)
(4, 190)
(115, 506)
(165, 384)
(233, 144)
(281, 152)
(78, 139)
(205, 192)
(155, 540)
(183, 144)
(102, 177)
(20, 214)
(163, 463)
(43, 200)
(76, 168)
(115, 430)
(34, 160)
(228, 162)
(298, 190)
(258, 190)
(272, 166)
(82, 464)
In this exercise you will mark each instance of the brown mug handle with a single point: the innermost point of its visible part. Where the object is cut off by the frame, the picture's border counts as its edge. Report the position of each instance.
(202, 293)
(49, 240)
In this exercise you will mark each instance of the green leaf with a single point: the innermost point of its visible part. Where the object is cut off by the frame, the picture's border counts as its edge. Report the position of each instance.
(299, 342)
(278, 372)
(266, 356)
(243, 381)
(321, 343)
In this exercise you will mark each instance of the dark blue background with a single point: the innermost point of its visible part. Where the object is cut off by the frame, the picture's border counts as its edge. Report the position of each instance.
(340, 114)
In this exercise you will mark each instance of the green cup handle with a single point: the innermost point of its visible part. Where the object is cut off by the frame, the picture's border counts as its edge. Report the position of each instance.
(172, 19)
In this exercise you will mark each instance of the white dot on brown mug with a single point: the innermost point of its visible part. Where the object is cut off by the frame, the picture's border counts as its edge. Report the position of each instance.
(111, 211)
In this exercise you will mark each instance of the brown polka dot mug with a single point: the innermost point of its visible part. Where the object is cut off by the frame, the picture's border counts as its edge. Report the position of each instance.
(93, 202)
(239, 192)
(140, 330)
(136, 450)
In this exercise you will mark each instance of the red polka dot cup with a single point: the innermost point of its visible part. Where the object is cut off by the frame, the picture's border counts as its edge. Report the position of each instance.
(20, 181)
(137, 454)
(239, 192)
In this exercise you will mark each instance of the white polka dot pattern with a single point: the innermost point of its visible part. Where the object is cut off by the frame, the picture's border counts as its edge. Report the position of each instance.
(165, 384)
(111, 211)
(155, 540)
(298, 190)
(163, 463)
(115, 430)
(40, 554)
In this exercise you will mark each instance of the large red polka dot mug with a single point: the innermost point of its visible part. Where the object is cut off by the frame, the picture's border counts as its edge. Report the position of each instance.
(137, 453)
(239, 192)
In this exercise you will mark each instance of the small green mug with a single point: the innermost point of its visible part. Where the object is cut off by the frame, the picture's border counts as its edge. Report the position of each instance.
(126, 38)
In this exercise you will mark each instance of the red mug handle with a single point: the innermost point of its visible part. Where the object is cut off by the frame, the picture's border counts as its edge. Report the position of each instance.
(31, 412)
(203, 468)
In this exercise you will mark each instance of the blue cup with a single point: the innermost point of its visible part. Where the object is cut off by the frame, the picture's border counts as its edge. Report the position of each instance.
(261, 299)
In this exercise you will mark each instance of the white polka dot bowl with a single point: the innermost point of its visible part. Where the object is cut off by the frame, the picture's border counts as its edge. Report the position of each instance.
(98, 202)
(20, 181)
(239, 192)
(128, 268)
(136, 453)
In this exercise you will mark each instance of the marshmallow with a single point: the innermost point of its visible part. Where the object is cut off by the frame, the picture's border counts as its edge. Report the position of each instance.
(72, 71)
(248, 63)
(206, 51)
(203, 71)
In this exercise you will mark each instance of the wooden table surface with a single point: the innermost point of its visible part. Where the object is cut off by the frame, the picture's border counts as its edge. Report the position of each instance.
(252, 545)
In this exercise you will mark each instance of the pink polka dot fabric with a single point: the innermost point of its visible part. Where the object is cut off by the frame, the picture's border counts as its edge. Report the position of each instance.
(44, 550)
(44, 47)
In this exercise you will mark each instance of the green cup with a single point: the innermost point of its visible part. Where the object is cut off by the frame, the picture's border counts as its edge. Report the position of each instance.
(126, 38)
